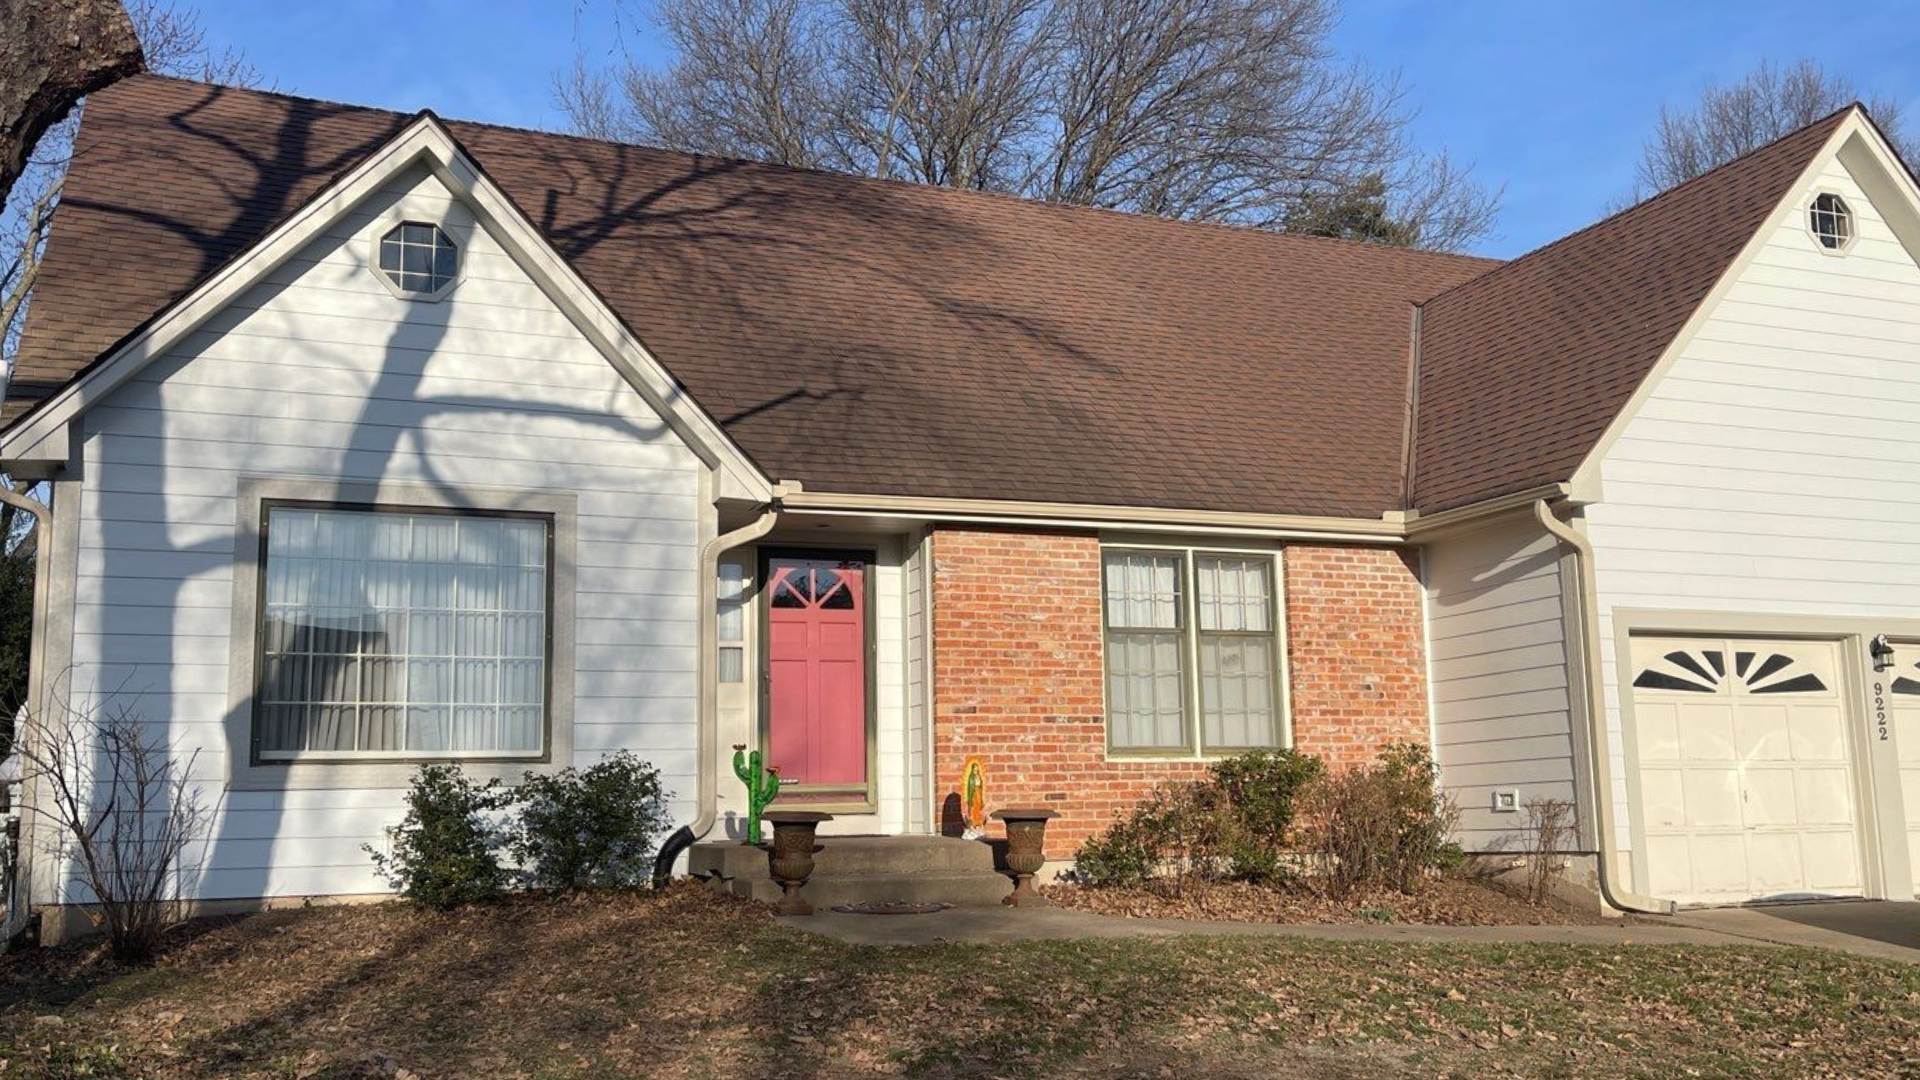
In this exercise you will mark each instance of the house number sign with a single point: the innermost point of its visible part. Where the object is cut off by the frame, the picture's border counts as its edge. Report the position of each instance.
(1880, 710)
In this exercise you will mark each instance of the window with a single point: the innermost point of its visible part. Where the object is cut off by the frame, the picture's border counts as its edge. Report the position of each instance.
(1831, 221)
(417, 259)
(731, 628)
(1172, 613)
(390, 634)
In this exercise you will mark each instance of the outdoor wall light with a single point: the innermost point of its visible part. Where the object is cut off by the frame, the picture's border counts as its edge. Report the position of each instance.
(1882, 652)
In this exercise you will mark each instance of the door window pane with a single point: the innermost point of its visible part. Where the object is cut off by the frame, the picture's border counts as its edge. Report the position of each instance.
(396, 634)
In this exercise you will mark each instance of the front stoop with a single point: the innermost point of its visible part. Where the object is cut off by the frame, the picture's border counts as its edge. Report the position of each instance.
(864, 869)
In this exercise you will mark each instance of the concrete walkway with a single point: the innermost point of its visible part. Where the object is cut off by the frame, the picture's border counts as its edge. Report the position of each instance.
(1032, 924)
(1881, 930)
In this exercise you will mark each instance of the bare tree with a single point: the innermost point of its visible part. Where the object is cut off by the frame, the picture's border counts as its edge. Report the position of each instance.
(1731, 120)
(1217, 110)
(52, 54)
(125, 813)
(175, 44)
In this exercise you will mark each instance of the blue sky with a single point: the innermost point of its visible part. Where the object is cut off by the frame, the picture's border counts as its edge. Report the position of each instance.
(1549, 99)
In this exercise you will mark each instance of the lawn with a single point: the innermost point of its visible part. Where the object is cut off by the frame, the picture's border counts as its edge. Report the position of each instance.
(684, 984)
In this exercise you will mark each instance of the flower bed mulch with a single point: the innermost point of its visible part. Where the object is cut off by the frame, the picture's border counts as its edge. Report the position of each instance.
(1442, 902)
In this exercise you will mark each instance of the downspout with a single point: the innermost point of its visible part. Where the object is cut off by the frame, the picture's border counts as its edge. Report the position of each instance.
(708, 797)
(19, 895)
(1599, 762)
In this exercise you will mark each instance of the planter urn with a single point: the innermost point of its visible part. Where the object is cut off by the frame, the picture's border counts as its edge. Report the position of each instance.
(790, 859)
(1026, 852)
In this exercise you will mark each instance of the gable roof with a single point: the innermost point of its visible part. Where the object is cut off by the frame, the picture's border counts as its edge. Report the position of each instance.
(856, 335)
(884, 338)
(1522, 369)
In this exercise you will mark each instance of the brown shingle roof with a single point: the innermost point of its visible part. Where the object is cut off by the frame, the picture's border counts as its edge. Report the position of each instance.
(1523, 368)
(878, 337)
(856, 335)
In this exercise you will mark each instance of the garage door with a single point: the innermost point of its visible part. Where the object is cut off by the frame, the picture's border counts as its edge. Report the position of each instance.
(1746, 779)
(1903, 703)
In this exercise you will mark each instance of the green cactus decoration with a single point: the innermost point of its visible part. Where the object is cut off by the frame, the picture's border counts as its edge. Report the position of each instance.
(763, 786)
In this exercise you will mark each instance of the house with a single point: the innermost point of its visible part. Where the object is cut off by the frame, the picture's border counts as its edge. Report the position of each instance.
(376, 439)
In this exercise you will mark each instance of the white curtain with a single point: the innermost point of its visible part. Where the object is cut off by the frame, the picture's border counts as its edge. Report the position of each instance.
(403, 634)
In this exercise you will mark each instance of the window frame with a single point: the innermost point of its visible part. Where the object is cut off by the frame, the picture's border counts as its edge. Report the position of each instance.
(1847, 212)
(1193, 718)
(378, 231)
(256, 497)
(264, 757)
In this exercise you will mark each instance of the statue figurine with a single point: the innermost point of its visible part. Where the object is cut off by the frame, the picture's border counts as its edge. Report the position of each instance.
(763, 786)
(973, 797)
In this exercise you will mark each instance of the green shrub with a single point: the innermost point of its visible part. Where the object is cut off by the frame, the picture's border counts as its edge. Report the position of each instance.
(444, 853)
(1122, 855)
(1236, 823)
(593, 828)
(1260, 790)
(1381, 825)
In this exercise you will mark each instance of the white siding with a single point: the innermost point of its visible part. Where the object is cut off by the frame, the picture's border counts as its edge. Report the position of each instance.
(323, 373)
(1776, 466)
(1498, 660)
(919, 794)
(893, 791)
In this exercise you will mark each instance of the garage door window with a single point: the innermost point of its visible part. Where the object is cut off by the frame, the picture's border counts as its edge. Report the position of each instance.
(1704, 671)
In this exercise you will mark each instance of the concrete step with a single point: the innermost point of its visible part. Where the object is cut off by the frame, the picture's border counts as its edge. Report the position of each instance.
(857, 869)
(840, 855)
(960, 890)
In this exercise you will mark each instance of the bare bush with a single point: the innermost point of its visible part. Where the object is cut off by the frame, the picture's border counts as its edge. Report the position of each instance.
(124, 814)
(1382, 825)
(1549, 827)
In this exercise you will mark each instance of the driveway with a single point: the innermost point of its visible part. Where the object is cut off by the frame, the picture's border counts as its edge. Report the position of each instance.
(1880, 928)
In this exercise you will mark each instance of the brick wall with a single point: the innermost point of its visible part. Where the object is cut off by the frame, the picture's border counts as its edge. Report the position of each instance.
(1017, 669)
(1355, 650)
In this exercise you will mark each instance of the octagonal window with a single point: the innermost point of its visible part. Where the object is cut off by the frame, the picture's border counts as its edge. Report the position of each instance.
(1831, 221)
(418, 259)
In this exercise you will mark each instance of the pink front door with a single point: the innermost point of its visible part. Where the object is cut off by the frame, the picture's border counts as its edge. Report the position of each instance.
(817, 671)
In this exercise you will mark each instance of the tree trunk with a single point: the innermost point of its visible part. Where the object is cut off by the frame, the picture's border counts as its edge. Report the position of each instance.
(52, 54)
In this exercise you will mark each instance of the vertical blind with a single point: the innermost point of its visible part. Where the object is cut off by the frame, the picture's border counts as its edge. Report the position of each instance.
(397, 634)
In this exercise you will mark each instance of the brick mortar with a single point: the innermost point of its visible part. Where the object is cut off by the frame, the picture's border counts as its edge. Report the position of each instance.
(1018, 666)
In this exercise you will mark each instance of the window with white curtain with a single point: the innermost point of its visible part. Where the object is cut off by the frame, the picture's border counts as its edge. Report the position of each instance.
(1193, 653)
(388, 634)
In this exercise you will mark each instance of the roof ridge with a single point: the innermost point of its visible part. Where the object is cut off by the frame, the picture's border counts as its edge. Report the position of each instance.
(1648, 201)
(934, 190)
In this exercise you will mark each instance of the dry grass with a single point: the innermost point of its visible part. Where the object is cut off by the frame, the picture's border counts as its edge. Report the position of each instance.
(686, 984)
(1443, 902)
